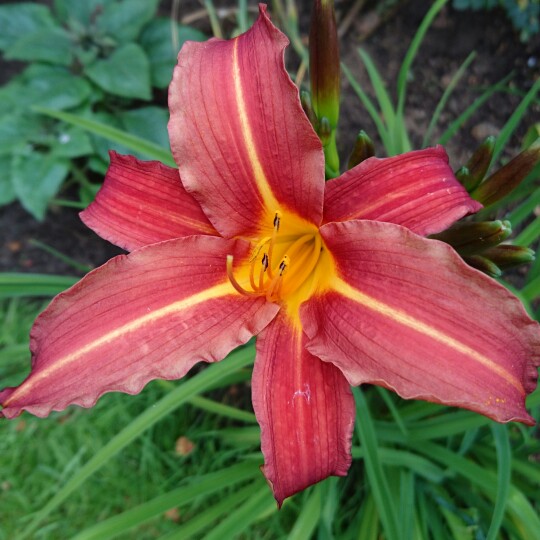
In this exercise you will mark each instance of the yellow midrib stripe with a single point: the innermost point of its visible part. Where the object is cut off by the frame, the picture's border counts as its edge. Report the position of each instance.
(407, 320)
(217, 291)
(261, 181)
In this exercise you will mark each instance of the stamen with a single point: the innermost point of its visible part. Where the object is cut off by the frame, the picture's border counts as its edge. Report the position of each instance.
(264, 266)
(274, 288)
(258, 247)
(277, 221)
(233, 281)
(252, 276)
(285, 262)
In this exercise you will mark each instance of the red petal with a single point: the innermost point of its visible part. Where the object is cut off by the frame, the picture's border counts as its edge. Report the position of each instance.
(305, 409)
(243, 145)
(151, 314)
(406, 313)
(144, 202)
(417, 190)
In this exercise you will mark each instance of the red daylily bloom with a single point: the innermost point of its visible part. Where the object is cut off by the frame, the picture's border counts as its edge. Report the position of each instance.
(241, 246)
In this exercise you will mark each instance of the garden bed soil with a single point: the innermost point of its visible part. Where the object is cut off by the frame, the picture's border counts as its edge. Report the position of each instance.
(451, 38)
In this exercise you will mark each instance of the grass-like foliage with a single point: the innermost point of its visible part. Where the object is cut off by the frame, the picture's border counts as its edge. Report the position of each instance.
(180, 460)
(419, 471)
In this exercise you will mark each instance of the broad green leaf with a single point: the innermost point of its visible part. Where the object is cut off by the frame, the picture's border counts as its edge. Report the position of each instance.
(125, 73)
(36, 180)
(17, 284)
(135, 144)
(16, 130)
(123, 20)
(149, 123)
(48, 45)
(54, 87)
(71, 142)
(7, 192)
(21, 19)
(103, 145)
(210, 376)
(162, 46)
(10, 95)
(82, 11)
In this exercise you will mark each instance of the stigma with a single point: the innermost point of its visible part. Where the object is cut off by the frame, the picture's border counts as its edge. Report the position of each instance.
(280, 264)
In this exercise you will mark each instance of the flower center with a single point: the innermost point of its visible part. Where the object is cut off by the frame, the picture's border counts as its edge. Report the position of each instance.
(279, 265)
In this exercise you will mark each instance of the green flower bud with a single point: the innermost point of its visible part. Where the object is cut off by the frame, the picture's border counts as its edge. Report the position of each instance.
(507, 178)
(363, 149)
(508, 256)
(484, 265)
(470, 238)
(472, 174)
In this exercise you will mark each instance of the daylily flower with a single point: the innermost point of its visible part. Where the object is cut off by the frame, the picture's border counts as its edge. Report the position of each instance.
(245, 238)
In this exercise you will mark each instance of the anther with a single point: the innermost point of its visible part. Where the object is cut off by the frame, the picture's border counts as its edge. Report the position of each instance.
(277, 220)
(283, 264)
(264, 261)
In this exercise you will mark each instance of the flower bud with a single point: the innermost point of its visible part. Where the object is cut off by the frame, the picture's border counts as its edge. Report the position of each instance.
(484, 265)
(472, 174)
(507, 178)
(470, 238)
(324, 61)
(508, 256)
(363, 149)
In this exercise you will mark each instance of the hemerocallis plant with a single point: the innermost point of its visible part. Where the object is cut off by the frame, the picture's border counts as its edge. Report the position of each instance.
(337, 280)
